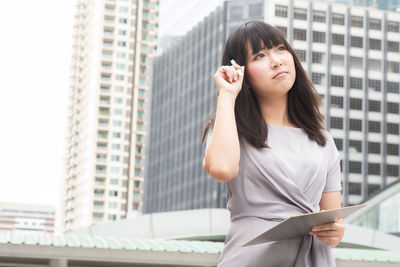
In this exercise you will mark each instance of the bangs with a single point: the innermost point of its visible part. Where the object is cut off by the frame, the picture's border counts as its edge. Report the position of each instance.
(263, 36)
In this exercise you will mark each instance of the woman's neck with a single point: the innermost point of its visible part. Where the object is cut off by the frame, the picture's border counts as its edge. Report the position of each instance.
(275, 112)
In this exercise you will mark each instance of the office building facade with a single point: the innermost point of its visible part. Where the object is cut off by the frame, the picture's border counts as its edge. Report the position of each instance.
(350, 53)
(113, 42)
(26, 218)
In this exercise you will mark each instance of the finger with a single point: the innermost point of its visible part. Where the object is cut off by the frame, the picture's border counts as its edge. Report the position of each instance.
(327, 233)
(328, 226)
(228, 73)
(322, 227)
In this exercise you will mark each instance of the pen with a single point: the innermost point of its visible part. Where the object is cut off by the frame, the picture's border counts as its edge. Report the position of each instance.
(233, 62)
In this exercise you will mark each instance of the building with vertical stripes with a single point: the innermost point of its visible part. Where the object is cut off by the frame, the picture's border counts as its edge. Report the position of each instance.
(113, 42)
(352, 55)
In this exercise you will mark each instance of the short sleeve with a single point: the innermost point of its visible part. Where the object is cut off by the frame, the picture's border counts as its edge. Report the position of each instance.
(333, 177)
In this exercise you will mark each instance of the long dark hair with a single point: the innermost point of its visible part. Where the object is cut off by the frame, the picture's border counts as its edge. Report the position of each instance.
(303, 101)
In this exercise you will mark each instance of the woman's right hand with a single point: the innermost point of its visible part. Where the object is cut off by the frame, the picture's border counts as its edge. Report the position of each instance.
(228, 80)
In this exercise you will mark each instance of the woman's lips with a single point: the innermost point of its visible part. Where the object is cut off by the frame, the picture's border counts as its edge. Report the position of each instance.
(280, 74)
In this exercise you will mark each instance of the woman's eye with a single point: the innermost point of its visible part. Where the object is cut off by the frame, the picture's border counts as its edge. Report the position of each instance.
(259, 56)
(281, 48)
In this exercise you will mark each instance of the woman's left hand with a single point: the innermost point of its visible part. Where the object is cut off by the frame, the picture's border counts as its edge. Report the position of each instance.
(331, 233)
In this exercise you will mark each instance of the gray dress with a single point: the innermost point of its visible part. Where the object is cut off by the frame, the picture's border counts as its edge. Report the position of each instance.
(273, 184)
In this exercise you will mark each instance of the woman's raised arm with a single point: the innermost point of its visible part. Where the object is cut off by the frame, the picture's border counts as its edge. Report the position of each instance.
(222, 155)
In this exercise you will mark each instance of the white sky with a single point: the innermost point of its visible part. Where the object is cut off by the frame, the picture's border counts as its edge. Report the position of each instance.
(35, 47)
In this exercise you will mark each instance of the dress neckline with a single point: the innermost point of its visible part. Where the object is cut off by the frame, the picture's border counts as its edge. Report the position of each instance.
(284, 127)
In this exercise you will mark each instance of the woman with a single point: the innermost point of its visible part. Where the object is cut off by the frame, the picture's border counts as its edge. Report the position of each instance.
(267, 141)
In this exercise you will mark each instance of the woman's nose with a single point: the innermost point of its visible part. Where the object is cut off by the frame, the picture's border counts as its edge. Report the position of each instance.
(275, 60)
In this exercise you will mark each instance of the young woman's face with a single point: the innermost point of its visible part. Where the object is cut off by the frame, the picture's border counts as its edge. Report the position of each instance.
(270, 72)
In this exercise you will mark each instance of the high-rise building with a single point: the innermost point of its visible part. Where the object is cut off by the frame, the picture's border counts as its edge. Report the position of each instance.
(393, 5)
(113, 42)
(26, 218)
(352, 56)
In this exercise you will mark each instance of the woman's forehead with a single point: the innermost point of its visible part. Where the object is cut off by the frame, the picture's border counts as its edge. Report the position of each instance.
(256, 47)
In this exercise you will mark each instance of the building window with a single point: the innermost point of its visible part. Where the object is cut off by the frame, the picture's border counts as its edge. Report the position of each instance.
(374, 85)
(375, 24)
(318, 37)
(115, 169)
(393, 67)
(116, 146)
(356, 83)
(123, 21)
(393, 108)
(300, 13)
(375, 44)
(281, 11)
(318, 57)
(336, 102)
(336, 123)
(356, 103)
(107, 43)
(102, 146)
(355, 125)
(374, 64)
(337, 39)
(337, 60)
(372, 188)
(136, 196)
(109, 8)
(354, 166)
(282, 29)
(108, 32)
(392, 170)
(337, 80)
(338, 143)
(337, 19)
(357, 145)
(356, 41)
(374, 105)
(317, 78)
(301, 54)
(97, 216)
(392, 149)
(102, 134)
(354, 188)
(119, 77)
(123, 9)
(356, 62)
(236, 13)
(393, 46)
(356, 21)
(319, 16)
(374, 126)
(256, 10)
(115, 158)
(113, 193)
(101, 157)
(374, 148)
(121, 43)
(299, 34)
(392, 128)
(137, 184)
(98, 192)
(393, 87)
(393, 26)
